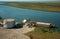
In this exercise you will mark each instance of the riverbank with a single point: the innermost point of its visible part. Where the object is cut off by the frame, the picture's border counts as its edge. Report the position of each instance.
(44, 33)
(53, 7)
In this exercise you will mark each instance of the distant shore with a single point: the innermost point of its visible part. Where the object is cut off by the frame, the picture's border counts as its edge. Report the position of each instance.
(53, 7)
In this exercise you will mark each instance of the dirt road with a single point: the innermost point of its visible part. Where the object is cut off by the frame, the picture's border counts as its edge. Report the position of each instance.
(15, 33)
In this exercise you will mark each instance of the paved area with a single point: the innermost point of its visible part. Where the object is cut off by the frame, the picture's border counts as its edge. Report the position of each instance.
(15, 33)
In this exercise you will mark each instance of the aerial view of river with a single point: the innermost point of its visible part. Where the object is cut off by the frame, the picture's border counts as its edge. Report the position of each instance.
(35, 15)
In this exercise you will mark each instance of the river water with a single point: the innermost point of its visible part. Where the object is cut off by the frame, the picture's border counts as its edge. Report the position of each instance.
(35, 15)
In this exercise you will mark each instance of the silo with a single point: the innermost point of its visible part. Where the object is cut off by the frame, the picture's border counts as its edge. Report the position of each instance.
(8, 23)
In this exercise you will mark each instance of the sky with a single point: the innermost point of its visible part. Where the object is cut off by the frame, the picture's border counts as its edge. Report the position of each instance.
(32, 0)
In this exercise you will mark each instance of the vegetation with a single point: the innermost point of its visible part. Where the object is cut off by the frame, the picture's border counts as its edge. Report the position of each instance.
(55, 7)
(44, 33)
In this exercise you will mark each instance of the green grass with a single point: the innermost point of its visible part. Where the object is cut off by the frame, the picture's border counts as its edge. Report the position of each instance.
(44, 33)
(54, 7)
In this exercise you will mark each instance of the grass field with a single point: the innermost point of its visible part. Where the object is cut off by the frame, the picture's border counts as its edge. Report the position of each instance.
(44, 33)
(54, 7)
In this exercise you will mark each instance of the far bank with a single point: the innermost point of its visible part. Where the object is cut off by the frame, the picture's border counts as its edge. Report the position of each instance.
(52, 7)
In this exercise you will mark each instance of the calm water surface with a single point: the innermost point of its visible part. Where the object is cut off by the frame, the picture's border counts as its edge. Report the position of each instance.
(19, 14)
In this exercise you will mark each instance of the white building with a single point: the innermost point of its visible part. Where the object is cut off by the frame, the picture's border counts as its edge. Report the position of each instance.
(8, 23)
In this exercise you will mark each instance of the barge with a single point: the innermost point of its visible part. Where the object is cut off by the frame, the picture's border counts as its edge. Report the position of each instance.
(42, 24)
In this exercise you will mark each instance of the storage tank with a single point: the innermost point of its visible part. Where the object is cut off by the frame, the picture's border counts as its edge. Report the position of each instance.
(24, 21)
(8, 23)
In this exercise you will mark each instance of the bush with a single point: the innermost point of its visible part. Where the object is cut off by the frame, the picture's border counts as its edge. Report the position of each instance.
(44, 30)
